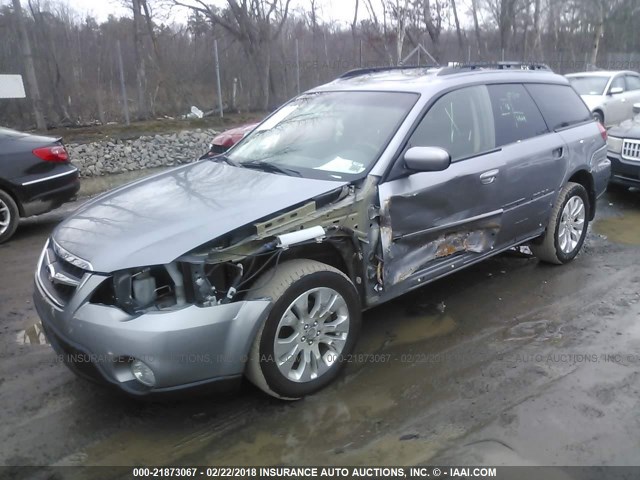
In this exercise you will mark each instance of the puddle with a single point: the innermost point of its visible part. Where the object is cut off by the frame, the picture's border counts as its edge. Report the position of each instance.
(391, 325)
(624, 229)
(34, 335)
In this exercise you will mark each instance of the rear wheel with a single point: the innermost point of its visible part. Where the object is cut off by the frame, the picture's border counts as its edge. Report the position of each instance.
(567, 227)
(312, 326)
(599, 116)
(9, 216)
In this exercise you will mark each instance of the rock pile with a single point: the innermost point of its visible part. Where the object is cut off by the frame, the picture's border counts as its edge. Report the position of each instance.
(119, 156)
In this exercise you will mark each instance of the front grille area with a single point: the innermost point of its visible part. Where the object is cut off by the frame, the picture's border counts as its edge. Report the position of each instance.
(58, 278)
(631, 149)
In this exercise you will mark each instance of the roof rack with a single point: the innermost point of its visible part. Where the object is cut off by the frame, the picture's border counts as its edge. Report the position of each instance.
(469, 67)
(364, 71)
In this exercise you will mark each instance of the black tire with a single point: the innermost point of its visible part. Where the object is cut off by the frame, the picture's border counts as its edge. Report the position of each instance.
(8, 213)
(599, 116)
(284, 284)
(548, 248)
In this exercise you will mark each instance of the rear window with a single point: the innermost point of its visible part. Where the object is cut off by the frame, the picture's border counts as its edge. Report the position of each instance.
(516, 115)
(560, 105)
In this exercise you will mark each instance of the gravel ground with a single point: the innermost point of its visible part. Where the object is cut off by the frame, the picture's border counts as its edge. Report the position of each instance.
(509, 362)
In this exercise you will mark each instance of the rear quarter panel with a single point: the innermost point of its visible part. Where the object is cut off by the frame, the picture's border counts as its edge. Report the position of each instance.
(587, 150)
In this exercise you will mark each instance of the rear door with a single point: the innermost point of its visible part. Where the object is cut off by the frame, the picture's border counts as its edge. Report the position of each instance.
(534, 161)
(617, 108)
(433, 221)
(633, 88)
(566, 114)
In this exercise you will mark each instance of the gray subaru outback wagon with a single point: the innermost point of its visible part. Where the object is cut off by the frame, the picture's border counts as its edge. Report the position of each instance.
(258, 263)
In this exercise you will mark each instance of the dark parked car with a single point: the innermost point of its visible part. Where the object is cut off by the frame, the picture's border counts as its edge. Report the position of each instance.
(35, 177)
(227, 139)
(624, 151)
(259, 262)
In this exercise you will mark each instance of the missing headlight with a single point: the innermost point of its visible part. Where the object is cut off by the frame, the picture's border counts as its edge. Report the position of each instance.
(139, 289)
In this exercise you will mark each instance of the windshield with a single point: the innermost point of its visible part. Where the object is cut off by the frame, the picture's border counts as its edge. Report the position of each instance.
(328, 134)
(589, 85)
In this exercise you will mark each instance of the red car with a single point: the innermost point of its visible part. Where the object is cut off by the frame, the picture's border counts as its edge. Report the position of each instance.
(227, 139)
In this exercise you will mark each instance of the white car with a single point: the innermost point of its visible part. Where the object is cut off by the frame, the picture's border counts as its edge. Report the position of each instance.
(610, 95)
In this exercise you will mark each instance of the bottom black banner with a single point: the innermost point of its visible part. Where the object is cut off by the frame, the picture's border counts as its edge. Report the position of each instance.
(331, 472)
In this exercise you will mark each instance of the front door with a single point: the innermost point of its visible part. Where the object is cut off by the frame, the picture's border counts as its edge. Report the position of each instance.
(433, 222)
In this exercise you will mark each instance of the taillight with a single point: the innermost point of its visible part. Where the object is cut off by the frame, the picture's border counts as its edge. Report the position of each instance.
(55, 153)
(603, 131)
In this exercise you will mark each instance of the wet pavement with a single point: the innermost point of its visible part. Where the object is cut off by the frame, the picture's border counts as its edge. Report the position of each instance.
(509, 362)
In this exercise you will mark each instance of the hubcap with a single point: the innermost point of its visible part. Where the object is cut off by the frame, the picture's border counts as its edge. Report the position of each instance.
(571, 224)
(5, 217)
(311, 334)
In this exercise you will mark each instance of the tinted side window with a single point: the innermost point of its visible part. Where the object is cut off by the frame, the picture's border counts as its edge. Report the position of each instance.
(560, 104)
(633, 82)
(516, 115)
(461, 122)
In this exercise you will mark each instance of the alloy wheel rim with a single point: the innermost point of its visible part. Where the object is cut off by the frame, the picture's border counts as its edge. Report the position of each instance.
(572, 223)
(5, 217)
(311, 334)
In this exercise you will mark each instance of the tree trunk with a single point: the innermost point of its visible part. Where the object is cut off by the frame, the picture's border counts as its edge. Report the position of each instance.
(598, 33)
(535, 50)
(141, 72)
(476, 25)
(30, 71)
(458, 31)
(54, 78)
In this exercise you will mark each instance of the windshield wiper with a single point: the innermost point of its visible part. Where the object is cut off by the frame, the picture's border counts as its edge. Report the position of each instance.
(224, 158)
(270, 167)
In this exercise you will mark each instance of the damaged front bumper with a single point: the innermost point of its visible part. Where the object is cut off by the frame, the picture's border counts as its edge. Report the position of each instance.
(186, 347)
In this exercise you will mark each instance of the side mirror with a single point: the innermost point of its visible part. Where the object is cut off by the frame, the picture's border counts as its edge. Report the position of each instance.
(616, 90)
(636, 108)
(427, 159)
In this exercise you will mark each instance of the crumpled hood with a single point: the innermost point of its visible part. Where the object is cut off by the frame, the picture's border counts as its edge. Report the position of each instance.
(157, 219)
(627, 129)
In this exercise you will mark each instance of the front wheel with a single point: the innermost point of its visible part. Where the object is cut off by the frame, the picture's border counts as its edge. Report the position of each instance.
(9, 216)
(313, 324)
(567, 227)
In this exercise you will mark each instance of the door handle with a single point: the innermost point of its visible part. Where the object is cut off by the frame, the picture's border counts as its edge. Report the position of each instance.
(558, 152)
(489, 177)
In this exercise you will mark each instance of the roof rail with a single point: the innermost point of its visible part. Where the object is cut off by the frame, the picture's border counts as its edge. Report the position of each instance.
(469, 67)
(364, 71)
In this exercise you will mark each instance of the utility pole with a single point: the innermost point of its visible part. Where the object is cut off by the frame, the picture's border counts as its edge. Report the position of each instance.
(215, 52)
(29, 69)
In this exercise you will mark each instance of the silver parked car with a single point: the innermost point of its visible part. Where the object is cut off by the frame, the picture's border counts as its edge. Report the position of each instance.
(259, 262)
(609, 95)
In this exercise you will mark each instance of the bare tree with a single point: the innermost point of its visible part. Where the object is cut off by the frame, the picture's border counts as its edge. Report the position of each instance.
(454, 8)
(253, 23)
(476, 25)
(141, 70)
(433, 16)
(30, 71)
(599, 10)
